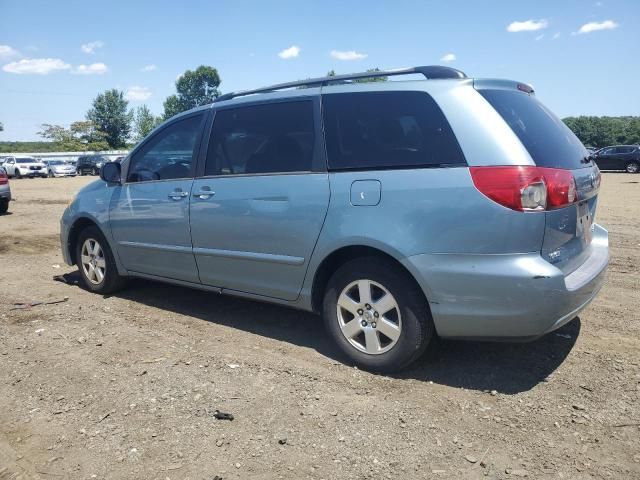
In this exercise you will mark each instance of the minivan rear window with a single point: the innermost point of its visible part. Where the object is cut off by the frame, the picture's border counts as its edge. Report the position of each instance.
(381, 130)
(547, 139)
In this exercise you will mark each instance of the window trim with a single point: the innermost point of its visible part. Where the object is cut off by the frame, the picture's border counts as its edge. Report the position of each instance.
(392, 167)
(196, 148)
(318, 161)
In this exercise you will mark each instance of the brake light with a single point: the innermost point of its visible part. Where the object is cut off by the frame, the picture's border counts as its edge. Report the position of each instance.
(526, 188)
(3, 177)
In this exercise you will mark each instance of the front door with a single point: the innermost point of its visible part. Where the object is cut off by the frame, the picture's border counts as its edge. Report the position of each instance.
(257, 211)
(150, 212)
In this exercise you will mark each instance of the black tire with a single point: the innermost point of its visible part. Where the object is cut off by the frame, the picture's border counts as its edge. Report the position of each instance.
(112, 281)
(417, 329)
(4, 206)
(50, 174)
(79, 172)
(632, 167)
(16, 173)
(95, 171)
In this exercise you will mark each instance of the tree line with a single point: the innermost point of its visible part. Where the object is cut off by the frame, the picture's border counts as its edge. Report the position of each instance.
(600, 132)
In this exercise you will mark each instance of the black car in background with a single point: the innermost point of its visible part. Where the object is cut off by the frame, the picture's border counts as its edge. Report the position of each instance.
(619, 157)
(90, 164)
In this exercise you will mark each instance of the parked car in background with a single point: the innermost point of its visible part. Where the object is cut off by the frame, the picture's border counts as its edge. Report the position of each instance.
(18, 167)
(60, 168)
(90, 164)
(619, 157)
(5, 191)
(399, 211)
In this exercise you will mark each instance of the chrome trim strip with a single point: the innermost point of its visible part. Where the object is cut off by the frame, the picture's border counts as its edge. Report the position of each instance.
(259, 257)
(156, 246)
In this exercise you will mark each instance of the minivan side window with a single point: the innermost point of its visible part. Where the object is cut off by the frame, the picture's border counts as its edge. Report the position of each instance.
(373, 130)
(260, 139)
(169, 154)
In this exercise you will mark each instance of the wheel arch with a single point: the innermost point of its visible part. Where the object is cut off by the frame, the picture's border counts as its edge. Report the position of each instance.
(339, 257)
(78, 225)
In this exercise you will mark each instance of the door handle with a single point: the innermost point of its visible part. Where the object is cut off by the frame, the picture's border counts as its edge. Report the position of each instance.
(204, 194)
(177, 195)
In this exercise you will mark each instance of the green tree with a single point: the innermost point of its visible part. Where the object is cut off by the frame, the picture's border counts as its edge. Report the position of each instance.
(109, 114)
(194, 88)
(143, 122)
(1, 127)
(603, 131)
(79, 137)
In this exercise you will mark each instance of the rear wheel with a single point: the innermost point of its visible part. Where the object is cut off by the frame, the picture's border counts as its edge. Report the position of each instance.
(17, 173)
(4, 206)
(95, 171)
(50, 174)
(377, 315)
(96, 263)
(632, 167)
(79, 172)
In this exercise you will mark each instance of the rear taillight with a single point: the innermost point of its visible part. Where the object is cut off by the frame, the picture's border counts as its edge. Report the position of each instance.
(526, 188)
(3, 177)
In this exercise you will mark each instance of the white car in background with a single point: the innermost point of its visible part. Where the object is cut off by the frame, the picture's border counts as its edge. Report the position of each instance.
(60, 168)
(18, 167)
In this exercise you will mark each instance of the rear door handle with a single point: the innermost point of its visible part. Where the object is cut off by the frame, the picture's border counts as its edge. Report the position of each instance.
(204, 194)
(177, 195)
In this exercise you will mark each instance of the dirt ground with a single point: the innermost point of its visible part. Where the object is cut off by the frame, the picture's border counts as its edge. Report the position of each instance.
(126, 386)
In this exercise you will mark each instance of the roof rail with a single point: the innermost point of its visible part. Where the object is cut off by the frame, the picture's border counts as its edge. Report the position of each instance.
(430, 72)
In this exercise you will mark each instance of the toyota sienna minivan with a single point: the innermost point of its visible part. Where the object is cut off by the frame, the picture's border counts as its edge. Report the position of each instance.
(399, 211)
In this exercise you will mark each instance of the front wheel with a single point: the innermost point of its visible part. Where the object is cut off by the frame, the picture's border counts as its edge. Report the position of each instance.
(632, 167)
(95, 171)
(17, 173)
(377, 315)
(50, 174)
(96, 263)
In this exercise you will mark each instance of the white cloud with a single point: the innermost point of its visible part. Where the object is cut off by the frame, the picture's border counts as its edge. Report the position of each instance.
(539, 37)
(91, 47)
(7, 52)
(291, 52)
(148, 68)
(527, 26)
(556, 36)
(347, 55)
(36, 66)
(449, 57)
(137, 94)
(93, 69)
(595, 26)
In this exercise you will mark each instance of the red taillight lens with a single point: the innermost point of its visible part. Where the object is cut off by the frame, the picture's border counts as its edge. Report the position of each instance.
(3, 177)
(526, 188)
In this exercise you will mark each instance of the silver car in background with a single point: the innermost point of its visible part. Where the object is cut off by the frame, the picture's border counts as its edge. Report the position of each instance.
(60, 168)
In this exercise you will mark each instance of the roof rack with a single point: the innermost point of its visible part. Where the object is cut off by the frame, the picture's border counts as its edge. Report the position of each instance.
(430, 72)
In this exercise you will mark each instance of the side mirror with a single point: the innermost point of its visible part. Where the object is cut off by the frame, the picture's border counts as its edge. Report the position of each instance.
(110, 172)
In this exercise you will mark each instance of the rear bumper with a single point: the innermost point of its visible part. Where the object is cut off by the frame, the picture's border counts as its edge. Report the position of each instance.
(508, 297)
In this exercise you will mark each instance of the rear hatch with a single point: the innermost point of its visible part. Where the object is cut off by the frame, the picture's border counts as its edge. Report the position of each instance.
(551, 144)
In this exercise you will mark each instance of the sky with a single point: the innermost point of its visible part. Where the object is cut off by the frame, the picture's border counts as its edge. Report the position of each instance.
(581, 56)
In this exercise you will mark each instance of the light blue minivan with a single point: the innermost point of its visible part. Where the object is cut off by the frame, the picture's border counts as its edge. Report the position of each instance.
(398, 210)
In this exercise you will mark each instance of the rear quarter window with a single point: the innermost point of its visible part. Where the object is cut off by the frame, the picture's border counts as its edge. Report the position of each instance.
(547, 139)
(382, 130)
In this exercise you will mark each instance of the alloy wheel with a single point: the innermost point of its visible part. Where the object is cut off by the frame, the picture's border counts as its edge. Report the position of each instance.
(94, 265)
(369, 317)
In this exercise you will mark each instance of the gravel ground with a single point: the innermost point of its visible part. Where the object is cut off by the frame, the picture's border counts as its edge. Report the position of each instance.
(127, 386)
